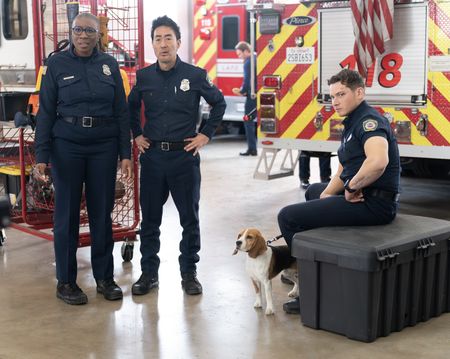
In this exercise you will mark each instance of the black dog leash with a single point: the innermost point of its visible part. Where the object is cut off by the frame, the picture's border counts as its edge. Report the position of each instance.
(274, 239)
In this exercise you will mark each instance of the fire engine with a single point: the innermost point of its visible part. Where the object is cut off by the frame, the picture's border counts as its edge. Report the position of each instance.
(302, 44)
(218, 26)
(32, 29)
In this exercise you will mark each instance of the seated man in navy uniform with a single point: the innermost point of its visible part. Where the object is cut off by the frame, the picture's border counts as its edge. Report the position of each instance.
(169, 145)
(364, 191)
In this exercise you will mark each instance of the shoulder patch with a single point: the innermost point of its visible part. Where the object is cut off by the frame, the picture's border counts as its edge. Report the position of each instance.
(370, 125)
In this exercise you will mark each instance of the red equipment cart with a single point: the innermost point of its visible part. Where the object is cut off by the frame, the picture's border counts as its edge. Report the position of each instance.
(32, 200)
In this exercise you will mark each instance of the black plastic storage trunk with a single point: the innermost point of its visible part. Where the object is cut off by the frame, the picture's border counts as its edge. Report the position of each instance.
(366, 282)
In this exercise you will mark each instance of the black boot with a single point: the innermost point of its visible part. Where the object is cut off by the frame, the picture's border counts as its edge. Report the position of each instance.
(145, 283)
(109, 289)
(249, 153)
(292, 307)
(71, 293)
(190, 283)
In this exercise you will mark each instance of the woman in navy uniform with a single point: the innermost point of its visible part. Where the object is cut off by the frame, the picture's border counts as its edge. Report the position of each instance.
(169, 145)
(82, 129)
(365, 189)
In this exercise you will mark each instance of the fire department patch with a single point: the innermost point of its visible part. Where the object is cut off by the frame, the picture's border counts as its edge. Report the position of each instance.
(106, 70)
(370, 125)
(184, 85)
(209, 80)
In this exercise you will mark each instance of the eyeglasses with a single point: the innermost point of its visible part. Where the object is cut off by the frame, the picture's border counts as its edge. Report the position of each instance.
(90, 31)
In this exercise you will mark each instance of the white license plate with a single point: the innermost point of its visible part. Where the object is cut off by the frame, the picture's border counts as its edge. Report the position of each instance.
(299, 55)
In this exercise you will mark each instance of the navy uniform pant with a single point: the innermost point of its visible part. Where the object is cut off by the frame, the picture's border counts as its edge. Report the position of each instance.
(250, 134)
(95, 165)
(324, 165)
(332, 211)
(177, 173)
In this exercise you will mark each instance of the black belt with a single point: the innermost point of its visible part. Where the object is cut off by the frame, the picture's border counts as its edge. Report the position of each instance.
(380, 193)
(87, 121)
(168, 146)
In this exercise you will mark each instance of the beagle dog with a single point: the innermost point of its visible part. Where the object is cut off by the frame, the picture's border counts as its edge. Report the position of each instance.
(265, 262)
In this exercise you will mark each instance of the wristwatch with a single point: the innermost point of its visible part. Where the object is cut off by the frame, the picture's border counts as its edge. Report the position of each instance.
(347, 186)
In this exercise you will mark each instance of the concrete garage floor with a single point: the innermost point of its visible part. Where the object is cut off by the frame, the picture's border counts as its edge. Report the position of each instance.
(222, 322)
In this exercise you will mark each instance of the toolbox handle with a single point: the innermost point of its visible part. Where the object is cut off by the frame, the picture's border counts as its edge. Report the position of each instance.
(425, 243)
(386, 254)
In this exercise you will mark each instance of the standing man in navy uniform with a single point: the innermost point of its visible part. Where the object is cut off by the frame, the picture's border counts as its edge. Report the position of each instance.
(365, 189)
(170, 163)
(82, 129)
(244, 51)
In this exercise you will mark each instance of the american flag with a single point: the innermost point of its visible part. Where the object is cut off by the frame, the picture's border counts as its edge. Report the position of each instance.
(373, 26)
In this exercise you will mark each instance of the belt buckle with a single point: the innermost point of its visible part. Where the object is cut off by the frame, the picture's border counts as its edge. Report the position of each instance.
(165, 146)
(86, 121)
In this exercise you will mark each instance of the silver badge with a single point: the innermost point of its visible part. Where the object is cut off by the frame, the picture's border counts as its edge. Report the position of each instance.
(184, 86)
(106, 70)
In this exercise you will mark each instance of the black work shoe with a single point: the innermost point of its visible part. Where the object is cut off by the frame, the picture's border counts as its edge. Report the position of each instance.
(71, 293)
(304, 183)
(249, 153)
(190, 284)
(285, 279)
(292, 307)
(109, 289)
(144, 284)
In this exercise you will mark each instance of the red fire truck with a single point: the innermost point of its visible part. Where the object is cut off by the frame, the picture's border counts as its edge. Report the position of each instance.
(302, 44)
(218, 26)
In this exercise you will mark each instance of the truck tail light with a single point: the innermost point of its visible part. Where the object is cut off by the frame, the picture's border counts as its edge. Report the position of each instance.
(267, 98)
(268, 122)
(272, 81)
(205, 34)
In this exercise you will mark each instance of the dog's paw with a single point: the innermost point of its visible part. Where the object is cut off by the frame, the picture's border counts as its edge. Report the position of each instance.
(257, 304)
(269, 311)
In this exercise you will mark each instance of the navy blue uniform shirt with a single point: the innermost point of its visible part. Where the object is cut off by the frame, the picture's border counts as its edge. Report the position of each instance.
(171, 100)
(81, 86)
(365, 122)
(250, 103)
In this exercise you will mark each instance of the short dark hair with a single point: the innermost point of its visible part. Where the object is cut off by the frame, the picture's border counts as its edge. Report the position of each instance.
(349, 78)
(166, 21)
(243, 46)
(89, 16)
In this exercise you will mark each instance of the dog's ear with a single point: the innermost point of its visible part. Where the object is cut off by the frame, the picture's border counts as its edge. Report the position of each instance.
(259, 245)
